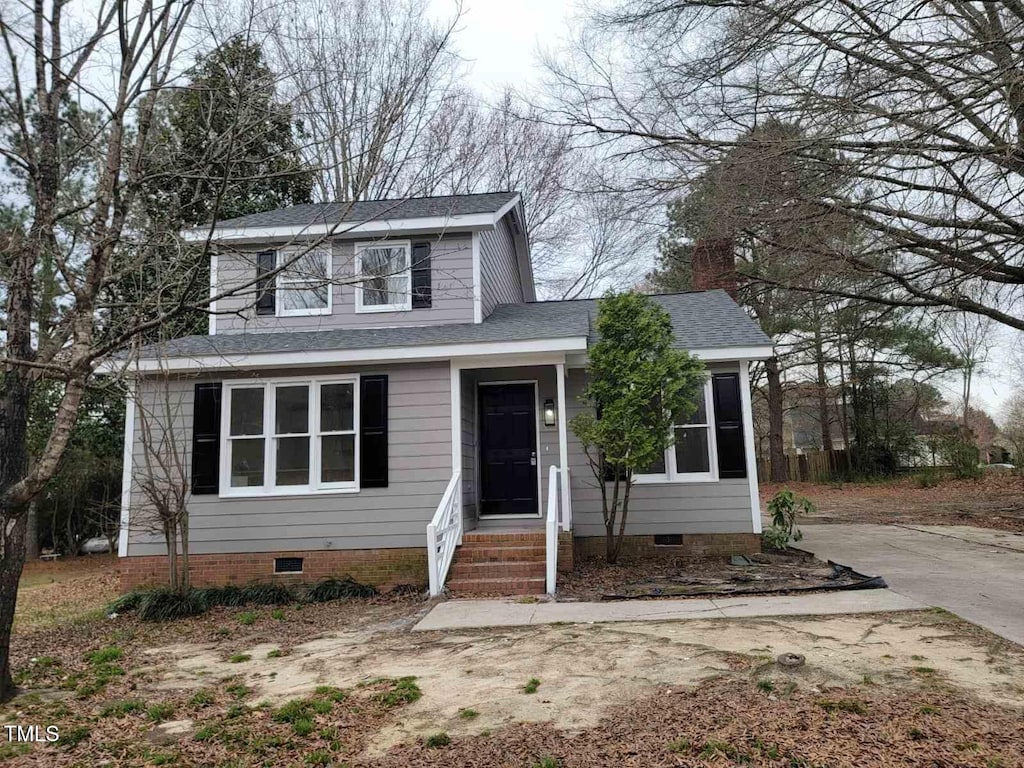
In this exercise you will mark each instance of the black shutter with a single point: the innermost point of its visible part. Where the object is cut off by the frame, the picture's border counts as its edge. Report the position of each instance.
(206, 439)
(266, 262)
(732, 459)
(373, 432)
(421, 290)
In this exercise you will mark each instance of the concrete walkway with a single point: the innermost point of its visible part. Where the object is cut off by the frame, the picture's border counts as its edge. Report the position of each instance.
(464, 614)
(976, 573)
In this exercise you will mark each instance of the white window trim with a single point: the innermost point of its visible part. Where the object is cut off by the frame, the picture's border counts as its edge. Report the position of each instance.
(406, 305)
(315, 487)
(671, 475)
(284, 255)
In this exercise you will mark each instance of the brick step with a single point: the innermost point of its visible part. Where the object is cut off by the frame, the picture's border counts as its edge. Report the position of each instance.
(516, 538)
(497, 570)
(493, 554)
(525, 586)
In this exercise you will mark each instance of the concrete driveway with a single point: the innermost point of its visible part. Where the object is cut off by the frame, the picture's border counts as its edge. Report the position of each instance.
(976, 573)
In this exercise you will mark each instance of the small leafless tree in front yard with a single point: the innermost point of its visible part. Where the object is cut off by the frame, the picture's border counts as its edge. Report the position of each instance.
(162, 475)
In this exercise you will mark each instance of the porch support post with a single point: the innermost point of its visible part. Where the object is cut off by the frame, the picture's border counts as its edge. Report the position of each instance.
(456, 372)
(127, 468)
(748, 444)
(563, 447)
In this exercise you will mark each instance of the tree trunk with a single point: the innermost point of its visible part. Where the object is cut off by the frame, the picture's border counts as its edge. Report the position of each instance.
(776, 448)
(611, 551)
(12, 540)
(32, 532)
(823, 417)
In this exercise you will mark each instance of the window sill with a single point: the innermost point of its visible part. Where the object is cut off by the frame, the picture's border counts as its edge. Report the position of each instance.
(282, 493)
(382, 308)
(663, 480)
(302, 312)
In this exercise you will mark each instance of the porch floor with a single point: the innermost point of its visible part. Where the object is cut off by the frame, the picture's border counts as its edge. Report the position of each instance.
(518, 525)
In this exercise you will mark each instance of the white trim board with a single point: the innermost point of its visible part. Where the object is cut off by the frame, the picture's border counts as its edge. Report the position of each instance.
(707, 354)
(748, 444)
(478, 301)
(420, 353)
(127, 470)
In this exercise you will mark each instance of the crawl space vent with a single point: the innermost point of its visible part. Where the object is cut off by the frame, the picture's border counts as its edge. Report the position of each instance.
(668, 539)
(288, 565)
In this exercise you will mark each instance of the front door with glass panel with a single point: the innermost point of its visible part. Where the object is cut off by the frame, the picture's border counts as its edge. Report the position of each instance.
(508, 449)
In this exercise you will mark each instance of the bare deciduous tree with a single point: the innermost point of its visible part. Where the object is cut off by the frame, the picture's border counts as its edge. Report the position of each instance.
(372, 83)
(163, 479)
(920, 104)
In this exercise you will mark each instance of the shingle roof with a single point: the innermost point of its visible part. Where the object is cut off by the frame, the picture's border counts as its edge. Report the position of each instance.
(368, 210)
(702, 320)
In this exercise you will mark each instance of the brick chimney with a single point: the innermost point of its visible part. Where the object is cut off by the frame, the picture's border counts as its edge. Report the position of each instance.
(713, 263)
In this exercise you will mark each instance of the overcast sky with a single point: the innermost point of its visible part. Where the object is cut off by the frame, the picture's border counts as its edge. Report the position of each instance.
(500, 42)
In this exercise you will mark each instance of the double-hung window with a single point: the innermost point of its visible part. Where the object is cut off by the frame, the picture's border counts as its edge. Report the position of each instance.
(290, 436)
(304, 285)
(691, 457)
(384, 273)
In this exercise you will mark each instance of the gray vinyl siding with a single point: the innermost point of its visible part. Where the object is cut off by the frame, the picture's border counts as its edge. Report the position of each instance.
(419, 459)
(451, 263)
(712, 507)
(500, 281)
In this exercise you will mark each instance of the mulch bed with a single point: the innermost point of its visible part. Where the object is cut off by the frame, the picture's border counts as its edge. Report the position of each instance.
(995, 501)
(668, 576)
(730, 722)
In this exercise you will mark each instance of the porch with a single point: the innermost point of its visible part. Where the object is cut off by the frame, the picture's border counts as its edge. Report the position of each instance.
(508, 501)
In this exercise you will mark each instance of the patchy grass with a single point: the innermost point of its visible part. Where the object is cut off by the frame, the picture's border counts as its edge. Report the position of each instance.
(437, 740)
(531, 685)
(239, 658)
(160, 711)
(850, 706)
(468, 714)
(122, 708)
(678, 746)
(402, 691)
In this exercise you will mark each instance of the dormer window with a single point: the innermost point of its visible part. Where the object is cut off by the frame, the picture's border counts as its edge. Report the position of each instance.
(304, 285)
(385, 277)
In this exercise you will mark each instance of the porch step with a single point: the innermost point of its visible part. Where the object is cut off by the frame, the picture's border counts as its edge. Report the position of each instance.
(501, 569)
(494, 554)
(503, 538)
(533, 586)
(510, 562)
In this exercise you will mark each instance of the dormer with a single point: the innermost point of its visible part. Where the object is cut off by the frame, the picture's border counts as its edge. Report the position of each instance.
(370, 264)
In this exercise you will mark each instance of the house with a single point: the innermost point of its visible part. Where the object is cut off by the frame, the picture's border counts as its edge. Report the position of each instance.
(396, 399)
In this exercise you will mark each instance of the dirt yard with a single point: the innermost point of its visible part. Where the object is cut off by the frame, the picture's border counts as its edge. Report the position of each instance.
(995, 501)
(351, 684)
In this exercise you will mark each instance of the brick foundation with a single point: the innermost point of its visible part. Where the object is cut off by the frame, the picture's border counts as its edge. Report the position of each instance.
(566, 551)
(694, 545)
(379, 567)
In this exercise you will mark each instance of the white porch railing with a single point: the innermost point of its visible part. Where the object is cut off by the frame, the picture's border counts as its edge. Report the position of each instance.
(444, 533)
(559, 517)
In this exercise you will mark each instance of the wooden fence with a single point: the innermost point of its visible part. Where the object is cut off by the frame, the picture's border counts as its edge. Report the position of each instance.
(813, 467)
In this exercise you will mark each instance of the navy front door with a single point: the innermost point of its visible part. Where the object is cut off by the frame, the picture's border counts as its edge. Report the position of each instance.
(508, 449)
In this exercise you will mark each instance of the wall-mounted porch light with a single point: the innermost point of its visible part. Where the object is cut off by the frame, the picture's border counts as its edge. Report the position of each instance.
(549, 413)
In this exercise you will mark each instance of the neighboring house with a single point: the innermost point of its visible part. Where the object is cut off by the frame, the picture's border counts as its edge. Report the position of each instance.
(398, 397)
